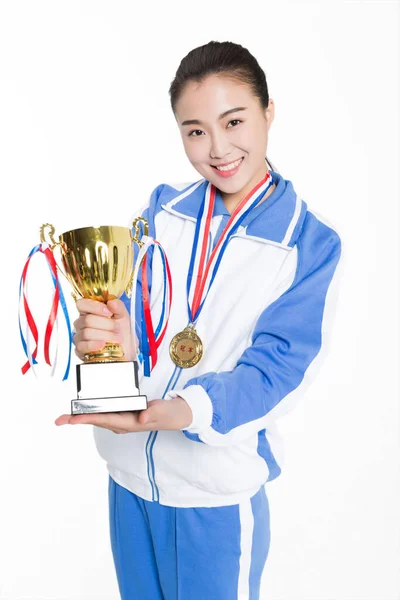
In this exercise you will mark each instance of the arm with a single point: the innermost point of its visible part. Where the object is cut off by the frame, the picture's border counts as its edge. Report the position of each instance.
(231, 406)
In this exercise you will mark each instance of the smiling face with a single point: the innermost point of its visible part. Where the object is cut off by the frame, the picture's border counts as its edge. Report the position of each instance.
(221, 122)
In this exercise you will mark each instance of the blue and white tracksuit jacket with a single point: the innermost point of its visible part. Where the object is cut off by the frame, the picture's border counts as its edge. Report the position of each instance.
(264, 326)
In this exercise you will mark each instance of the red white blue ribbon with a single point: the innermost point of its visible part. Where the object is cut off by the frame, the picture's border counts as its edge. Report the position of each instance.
(24, 308)
(199, 285)
(150, 338)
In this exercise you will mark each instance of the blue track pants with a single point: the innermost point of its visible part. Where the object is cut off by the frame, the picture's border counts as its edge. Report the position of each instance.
(167, 553)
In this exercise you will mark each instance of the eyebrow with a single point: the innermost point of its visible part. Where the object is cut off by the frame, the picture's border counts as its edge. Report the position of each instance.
(224, 114)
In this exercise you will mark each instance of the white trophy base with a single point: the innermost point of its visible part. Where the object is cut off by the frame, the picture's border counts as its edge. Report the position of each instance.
(107, 387)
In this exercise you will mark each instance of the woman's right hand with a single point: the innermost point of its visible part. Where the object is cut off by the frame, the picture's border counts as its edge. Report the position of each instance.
(99, 323)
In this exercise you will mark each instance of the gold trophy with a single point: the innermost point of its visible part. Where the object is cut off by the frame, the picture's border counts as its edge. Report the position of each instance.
(98, 263)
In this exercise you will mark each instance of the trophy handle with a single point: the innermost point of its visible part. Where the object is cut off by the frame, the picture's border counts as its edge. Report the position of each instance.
(53, 245)
(135, 238)
(51, 235)
(135, 226)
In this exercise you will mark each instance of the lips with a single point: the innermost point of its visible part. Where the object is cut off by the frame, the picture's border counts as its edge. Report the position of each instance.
(228, 163)
(231, 172)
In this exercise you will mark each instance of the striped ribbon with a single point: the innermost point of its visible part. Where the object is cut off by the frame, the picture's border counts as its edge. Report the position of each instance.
(150, 339)
(58, 298)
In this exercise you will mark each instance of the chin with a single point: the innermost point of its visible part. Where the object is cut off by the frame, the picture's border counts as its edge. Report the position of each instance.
(229, 187)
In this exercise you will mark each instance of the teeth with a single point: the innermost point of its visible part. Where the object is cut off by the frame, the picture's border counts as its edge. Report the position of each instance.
(230, 166)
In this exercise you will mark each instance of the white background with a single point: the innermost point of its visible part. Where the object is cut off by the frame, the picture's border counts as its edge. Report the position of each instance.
(86, 132)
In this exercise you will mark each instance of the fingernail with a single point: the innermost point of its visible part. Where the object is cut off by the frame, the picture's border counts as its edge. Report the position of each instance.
(106, 311)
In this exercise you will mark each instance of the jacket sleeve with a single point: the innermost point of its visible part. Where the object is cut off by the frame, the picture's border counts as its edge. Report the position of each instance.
(231, 406)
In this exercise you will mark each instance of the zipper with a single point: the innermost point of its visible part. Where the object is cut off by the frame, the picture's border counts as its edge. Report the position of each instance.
(153, 434)
(151, 441)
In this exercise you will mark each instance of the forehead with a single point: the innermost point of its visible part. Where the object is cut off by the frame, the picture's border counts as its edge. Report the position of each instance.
(211, 97)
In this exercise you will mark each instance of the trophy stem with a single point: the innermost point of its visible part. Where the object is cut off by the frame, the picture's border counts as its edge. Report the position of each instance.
(109, 353)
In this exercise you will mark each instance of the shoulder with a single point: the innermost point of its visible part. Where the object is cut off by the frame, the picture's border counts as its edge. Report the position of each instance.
(317, 231)
(319, 245)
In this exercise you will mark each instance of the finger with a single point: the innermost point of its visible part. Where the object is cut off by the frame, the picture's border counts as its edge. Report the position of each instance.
(71, 420)
(126, 421)
(90, 335)
(81, 355)
(154, 414)
(145, 418)
(83, 348)
(62, 420)
(95, 322)
(85, 306)
(118, 308)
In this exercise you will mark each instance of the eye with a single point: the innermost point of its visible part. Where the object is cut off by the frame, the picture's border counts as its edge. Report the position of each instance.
(233, 120)
(194, 130)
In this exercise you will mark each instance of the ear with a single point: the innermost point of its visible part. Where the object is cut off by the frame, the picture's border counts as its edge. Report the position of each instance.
(270, 112)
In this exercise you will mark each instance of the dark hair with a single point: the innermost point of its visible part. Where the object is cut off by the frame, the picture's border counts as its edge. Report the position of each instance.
(231, 60)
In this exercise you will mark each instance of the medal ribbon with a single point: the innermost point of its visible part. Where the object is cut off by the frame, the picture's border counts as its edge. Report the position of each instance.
(206, 271)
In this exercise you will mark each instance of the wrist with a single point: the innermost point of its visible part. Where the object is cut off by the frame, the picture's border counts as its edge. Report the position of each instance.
(185, 412)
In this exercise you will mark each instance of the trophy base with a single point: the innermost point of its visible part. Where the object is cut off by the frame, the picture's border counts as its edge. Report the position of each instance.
(101, 405)
(107, 387)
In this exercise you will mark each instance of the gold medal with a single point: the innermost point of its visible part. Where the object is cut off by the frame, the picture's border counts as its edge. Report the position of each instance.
(186, 348)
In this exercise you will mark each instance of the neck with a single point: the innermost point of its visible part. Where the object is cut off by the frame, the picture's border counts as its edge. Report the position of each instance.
(231, 201)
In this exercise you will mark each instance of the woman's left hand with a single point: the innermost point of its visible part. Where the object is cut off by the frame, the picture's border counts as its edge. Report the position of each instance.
(161, 414)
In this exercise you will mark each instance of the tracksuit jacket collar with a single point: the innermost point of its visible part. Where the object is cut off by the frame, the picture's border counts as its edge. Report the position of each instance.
(277, 220)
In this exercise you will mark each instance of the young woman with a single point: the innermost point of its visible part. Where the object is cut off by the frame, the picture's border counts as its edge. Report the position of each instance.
(252, 270)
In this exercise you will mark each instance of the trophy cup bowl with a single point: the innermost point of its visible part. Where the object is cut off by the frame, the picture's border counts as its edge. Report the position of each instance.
(98, 264)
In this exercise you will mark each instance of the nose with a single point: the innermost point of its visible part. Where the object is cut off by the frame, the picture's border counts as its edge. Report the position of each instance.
(220, 146)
